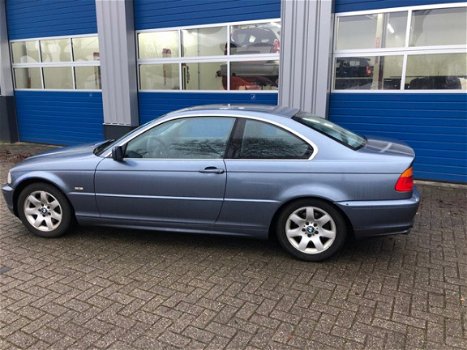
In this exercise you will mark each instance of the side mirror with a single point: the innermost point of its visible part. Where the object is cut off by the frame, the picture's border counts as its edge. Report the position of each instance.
(117, 153)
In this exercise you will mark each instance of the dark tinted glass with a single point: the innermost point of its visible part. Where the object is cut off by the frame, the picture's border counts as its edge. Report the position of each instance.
(266, 141)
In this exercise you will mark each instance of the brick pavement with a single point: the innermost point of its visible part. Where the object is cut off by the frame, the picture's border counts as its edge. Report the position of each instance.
(123, 289)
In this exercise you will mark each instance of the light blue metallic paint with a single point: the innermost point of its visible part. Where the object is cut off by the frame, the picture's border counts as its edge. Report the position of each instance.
(173, 195)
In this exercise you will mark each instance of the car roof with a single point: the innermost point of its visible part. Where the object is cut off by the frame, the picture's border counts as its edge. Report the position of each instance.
(241, 109)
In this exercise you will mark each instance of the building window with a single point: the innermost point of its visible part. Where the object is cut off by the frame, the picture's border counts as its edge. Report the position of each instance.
(418, 48)
(233, 56)
(64, 63)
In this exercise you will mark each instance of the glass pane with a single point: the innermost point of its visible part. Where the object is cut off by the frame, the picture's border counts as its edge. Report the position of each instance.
(266, 141)
(25, 51)
(395, 29)
(437, 71)
(356, 32)
(88, 78)
(28, 78)
(202, 76)
(58, 78)
(158, 44)
(371, 31)
(57, 50)
(368, 73)
(253, 75)
(85, 49)
(190, 138)
(255, 38)
(439, 27)
(204, 41)
(330, 129)
(159, 77)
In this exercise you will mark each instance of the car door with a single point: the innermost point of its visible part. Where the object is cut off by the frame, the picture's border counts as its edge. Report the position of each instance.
(173, 173)
(264, 161)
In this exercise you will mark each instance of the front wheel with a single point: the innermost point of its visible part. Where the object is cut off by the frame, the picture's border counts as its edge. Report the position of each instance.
(44, 210)
(311, 229)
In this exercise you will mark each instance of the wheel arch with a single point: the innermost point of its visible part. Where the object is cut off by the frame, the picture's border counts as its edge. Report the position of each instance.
(276, 215)
(23, 183)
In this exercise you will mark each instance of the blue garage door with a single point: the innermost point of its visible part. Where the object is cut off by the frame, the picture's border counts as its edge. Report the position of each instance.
(201, 77)
(56, 70)
(406, 85)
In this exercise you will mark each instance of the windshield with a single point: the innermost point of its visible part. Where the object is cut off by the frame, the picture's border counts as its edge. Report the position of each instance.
(334, 131)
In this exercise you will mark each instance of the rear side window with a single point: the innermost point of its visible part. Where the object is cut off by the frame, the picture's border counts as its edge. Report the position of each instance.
(265, 141)
(334, 131)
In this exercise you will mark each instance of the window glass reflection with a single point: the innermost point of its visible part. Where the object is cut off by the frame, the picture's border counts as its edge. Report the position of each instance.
(380, 30)
(202, 76)
(158, 44)
(204, 41)
(85, 49)
(25, 51)
(190, 138)
(266, 141)
(28, 78)
(88, 78)
(368, 73)
(257, 38)
(57, 50)
(437, 71)
(439, 27)
(159, 77)
(58, 78)
(253, 75)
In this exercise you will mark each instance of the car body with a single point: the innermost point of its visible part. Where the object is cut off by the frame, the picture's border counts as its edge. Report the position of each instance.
(269, 160)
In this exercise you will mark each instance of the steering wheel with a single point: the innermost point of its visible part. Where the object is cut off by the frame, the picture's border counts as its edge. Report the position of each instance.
(156, 148)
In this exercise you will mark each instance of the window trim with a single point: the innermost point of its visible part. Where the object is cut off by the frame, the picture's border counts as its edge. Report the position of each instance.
(228, 58)
(72, 63)
(124, 141)
(404, 51)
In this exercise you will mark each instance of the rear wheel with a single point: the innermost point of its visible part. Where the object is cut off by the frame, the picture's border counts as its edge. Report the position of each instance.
(44, 210)
(311, 229)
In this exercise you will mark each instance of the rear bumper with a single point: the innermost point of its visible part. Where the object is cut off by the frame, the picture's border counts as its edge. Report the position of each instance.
(7, 191)
(378, 218)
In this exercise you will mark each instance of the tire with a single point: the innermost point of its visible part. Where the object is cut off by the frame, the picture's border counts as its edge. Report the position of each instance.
(311, 229)
(44, 210)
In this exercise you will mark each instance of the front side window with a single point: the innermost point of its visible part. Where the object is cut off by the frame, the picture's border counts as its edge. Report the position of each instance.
(265, 141)
(186, 138)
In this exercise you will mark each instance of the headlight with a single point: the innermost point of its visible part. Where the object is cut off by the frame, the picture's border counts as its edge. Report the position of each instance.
(8, 179)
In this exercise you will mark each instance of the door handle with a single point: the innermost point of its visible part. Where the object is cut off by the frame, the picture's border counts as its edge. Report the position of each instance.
(212, 170)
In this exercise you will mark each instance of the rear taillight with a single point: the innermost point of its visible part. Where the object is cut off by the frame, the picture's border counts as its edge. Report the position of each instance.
(405, 181)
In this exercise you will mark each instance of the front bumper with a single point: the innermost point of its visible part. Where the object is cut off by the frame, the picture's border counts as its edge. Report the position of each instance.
(8, 195)
(375, 218)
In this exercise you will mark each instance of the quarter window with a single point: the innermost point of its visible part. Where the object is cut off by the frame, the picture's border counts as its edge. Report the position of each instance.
(187, 138)
(265, 141)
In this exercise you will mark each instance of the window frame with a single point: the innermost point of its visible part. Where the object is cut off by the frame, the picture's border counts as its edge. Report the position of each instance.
(404, 51)
(59, 64)
(227, 59)
(238, 137)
